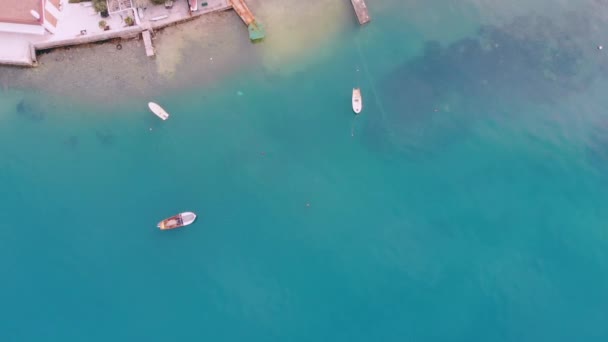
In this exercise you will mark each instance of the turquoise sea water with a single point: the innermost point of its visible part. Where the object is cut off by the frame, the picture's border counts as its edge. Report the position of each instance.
(467, 203)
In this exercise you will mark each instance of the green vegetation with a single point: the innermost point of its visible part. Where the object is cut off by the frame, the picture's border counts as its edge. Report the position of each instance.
(158, 2)
(129, 21)
(102, 24)
(100, 6)
(77, 1)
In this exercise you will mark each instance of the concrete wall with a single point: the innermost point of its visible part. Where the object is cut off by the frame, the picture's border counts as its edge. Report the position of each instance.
(21, 28)
(130, 32)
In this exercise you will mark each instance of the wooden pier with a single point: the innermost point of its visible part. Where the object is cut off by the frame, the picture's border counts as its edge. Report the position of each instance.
(148, 43)
(256, 30)
(361, 10)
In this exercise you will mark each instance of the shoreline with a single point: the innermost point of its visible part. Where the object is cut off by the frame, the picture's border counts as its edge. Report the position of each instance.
(125, 33)
(34, 45)
(102, 73)
(195, 53)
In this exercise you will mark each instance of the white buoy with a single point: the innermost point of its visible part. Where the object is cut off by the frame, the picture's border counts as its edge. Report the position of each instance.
(600, 47)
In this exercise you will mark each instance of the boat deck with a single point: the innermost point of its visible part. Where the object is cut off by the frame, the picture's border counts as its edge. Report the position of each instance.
(361, 11)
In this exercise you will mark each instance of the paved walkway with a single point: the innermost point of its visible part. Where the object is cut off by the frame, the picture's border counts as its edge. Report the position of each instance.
(179, 12)
(16, 48)
(81, 16)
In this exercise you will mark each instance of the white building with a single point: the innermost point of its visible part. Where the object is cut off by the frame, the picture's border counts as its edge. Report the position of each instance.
(29, 16)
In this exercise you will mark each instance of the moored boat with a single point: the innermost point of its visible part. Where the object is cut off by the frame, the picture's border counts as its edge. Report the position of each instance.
(158, 110)
(177, 221)
(357, 101)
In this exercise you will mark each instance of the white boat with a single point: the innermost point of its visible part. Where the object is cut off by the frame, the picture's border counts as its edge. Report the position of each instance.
(158, 110)
(357, 101)
(177, 221)
(193, 5)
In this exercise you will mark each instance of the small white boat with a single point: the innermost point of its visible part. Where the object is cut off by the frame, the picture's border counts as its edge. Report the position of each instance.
(158, 110)
(357, 101)
(177, 221)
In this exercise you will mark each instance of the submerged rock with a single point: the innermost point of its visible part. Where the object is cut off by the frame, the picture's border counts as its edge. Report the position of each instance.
(106, 138)
(21, 107)
(72, 142)
(531, 61)
(30, 111)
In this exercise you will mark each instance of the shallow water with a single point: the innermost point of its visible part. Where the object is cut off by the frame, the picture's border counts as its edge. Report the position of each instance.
(467, 202)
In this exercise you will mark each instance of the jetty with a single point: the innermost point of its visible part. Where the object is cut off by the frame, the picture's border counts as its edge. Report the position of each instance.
(148, 43)
(361, 11)
(256, 30)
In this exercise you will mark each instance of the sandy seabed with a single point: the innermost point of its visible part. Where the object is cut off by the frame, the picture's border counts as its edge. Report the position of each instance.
(199, 52)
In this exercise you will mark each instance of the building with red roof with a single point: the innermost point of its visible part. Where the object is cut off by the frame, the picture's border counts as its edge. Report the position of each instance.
(29, 16)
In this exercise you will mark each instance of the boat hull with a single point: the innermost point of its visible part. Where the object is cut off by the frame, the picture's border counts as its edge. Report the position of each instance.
(177, 221)
(357, 101)
(158, 111)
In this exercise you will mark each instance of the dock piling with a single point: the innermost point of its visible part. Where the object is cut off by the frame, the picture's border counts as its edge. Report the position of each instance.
(361, 11)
